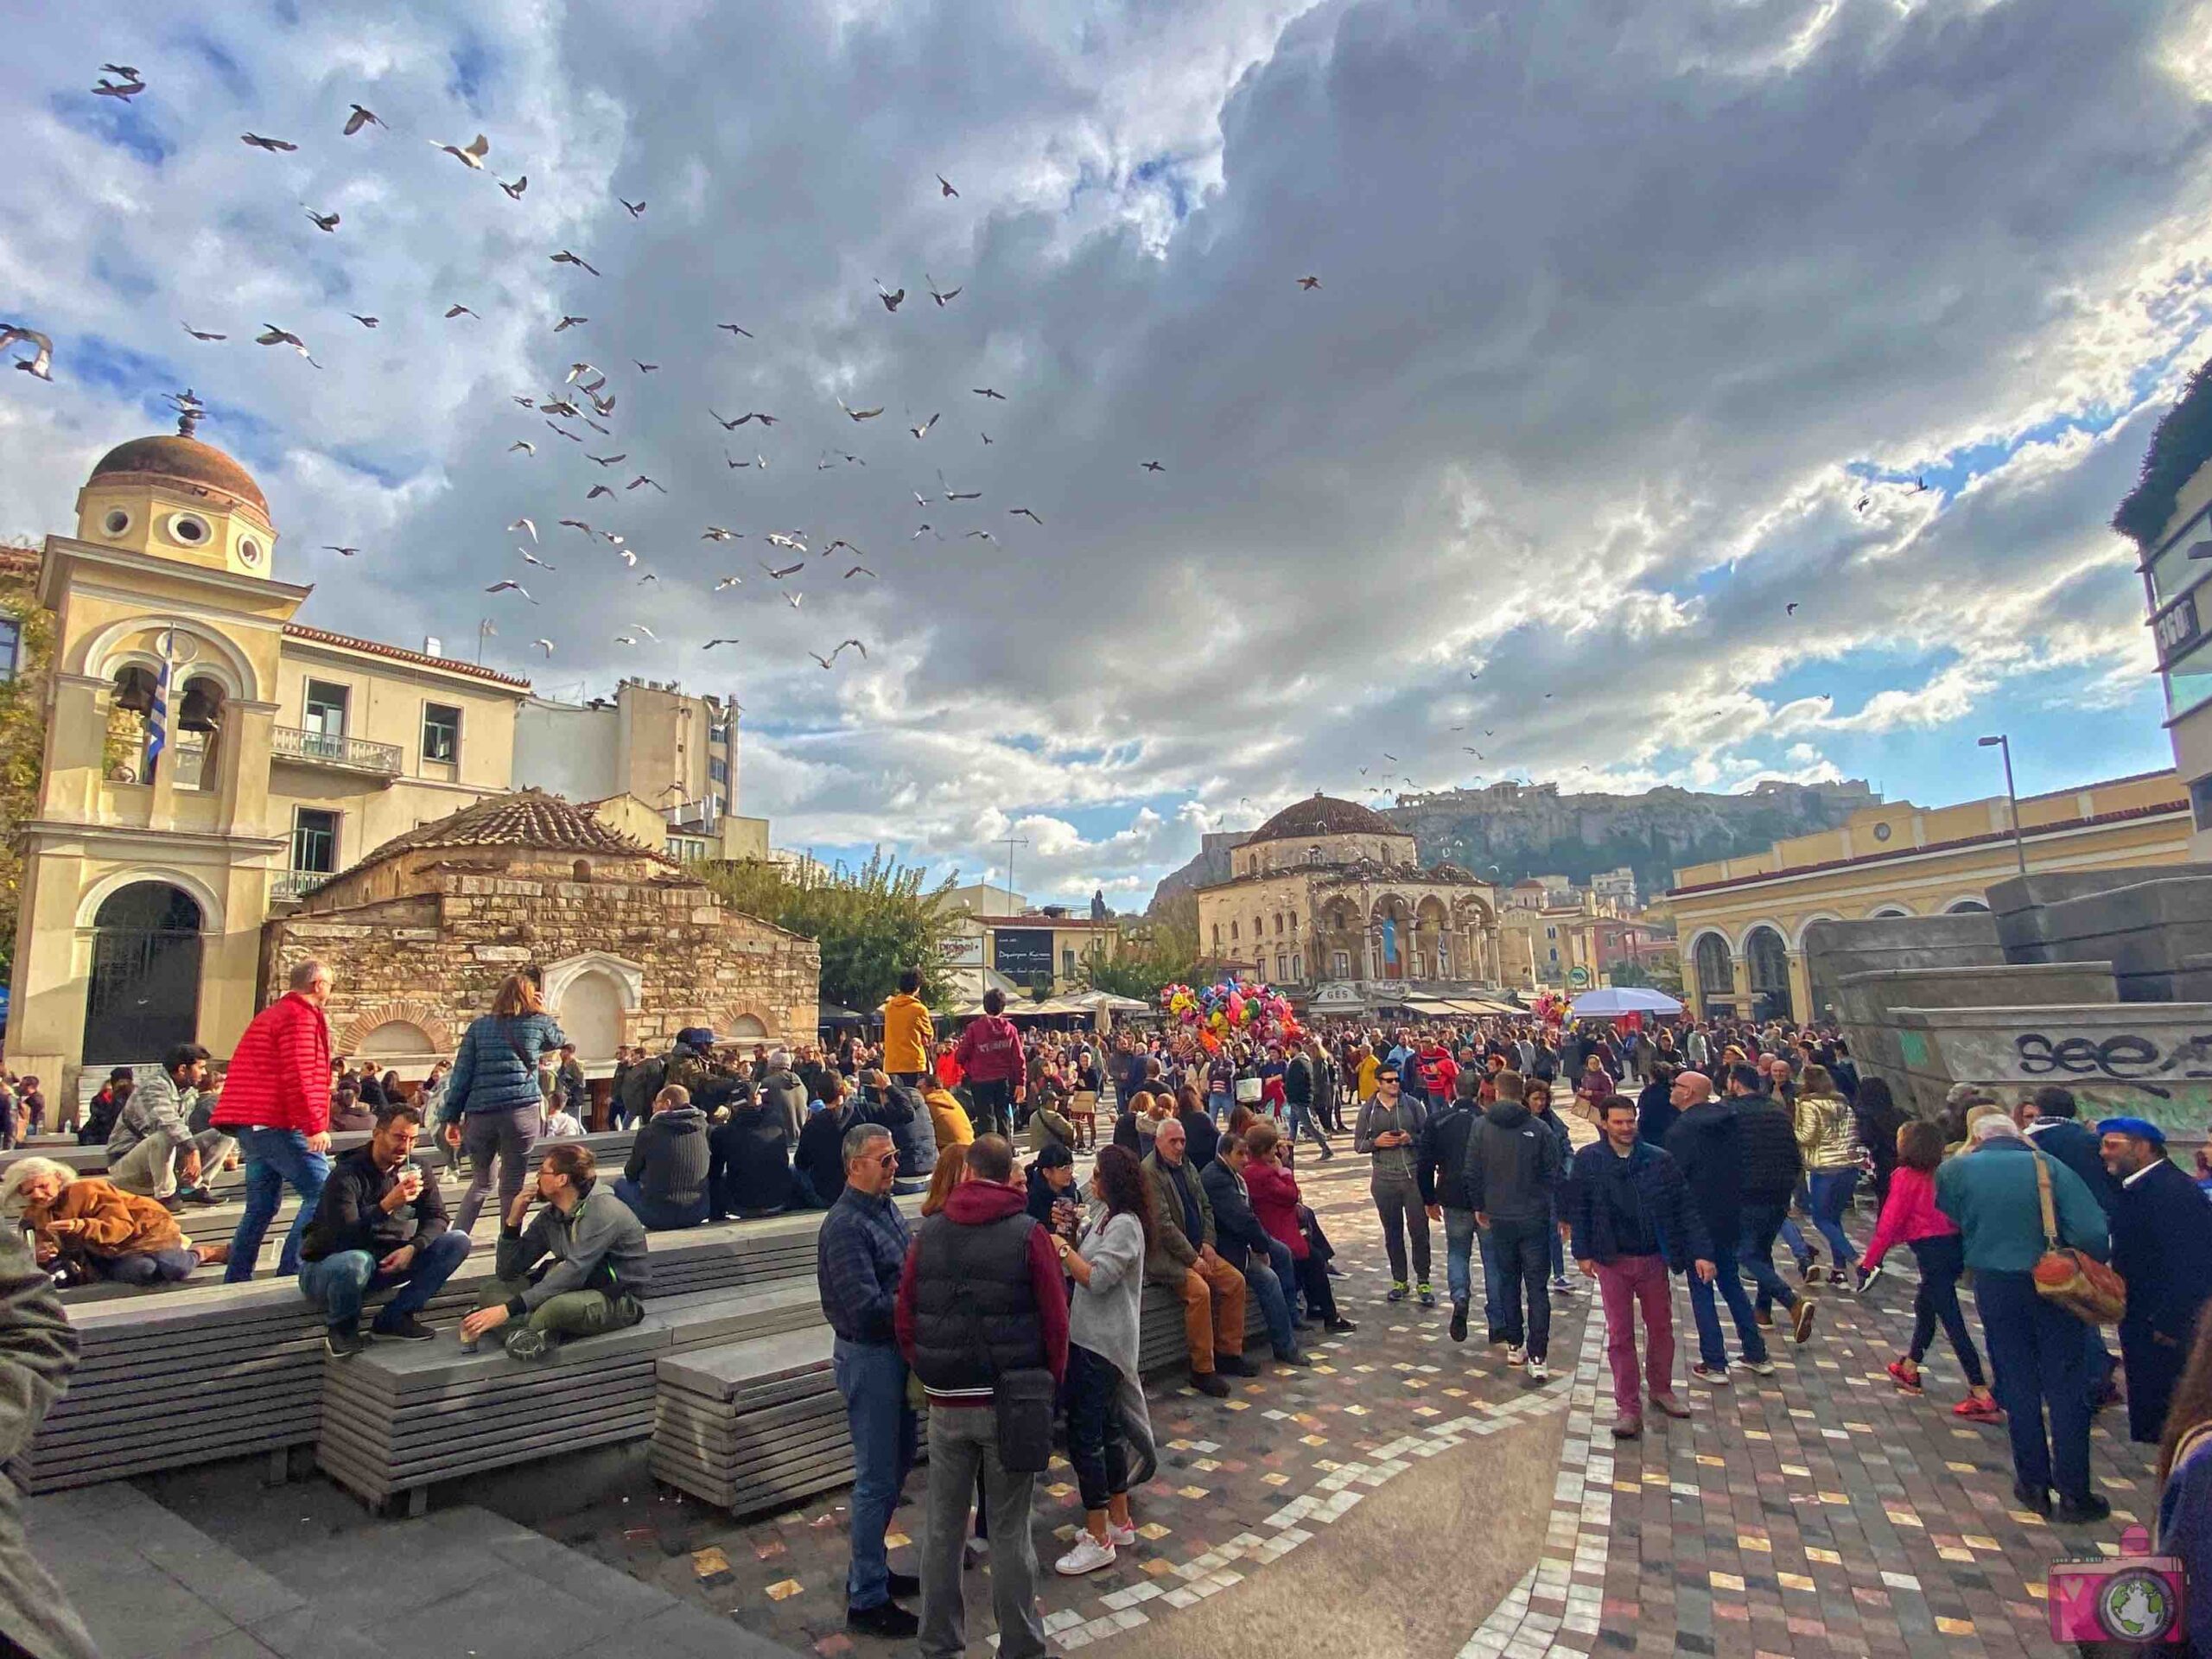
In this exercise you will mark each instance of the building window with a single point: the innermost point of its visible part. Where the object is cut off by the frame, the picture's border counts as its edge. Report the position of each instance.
(1217, 936)
(717, 769)
(1297, 969)
(326, 709)
(2200, 802)
(1340, 964)
(2189, 682)
(1067, 964)
(440, 732)
(683, 849)
(1233, 932)
(1278, 924)
(314, 840)
(12, 641)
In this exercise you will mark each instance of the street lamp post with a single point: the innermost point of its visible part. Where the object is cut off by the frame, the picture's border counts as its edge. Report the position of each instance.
(2003, 744)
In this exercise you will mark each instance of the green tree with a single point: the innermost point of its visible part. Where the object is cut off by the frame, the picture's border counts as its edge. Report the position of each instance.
(23, 731)
(870, 922)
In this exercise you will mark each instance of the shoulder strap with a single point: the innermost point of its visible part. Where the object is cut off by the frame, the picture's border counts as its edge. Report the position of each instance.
(2043, 1196)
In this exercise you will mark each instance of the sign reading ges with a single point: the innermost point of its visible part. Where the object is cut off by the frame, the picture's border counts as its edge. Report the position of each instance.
(1022, 954)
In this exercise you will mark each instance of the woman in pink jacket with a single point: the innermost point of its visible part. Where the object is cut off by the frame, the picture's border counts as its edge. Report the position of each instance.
(1910, 1217)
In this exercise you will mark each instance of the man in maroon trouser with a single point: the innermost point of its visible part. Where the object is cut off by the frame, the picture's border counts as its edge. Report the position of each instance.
(1632, 1221)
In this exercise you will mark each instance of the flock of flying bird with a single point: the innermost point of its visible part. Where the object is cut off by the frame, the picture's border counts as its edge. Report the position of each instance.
(587, 398)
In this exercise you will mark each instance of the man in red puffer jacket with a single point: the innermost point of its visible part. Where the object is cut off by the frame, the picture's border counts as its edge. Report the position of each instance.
(277, 1102)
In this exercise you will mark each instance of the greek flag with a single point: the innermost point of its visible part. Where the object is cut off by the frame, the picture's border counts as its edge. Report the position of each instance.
(157, 720)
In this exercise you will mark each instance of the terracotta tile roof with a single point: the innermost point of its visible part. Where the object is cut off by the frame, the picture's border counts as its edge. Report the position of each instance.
(527, 818)
(400, 653)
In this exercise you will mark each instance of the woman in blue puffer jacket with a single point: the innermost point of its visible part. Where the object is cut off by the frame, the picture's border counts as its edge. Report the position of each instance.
(492, 1105)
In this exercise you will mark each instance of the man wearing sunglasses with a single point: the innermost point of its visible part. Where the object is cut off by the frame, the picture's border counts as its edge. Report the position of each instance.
(1390, 1131)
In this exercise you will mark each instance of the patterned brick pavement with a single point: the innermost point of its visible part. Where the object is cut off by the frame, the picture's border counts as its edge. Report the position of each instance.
(1814, 1512)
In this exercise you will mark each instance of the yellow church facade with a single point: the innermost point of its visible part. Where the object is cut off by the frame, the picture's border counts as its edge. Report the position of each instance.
(285, 753)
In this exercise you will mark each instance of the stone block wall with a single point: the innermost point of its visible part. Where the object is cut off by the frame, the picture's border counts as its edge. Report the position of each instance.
(445, 951)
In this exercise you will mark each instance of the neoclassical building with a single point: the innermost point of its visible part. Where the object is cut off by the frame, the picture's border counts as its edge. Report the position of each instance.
(1328, 900)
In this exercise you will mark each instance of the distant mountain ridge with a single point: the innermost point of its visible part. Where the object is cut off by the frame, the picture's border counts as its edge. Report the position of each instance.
(1528, 831)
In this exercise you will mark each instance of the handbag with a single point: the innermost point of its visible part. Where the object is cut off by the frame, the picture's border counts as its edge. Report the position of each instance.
(2078, 1282)
(1024, 1401)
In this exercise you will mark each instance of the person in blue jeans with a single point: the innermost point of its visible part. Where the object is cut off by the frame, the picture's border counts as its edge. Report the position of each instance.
(1247, 1246)
(379, 1221)
(860, 1252)
(1828, 1136)
(276, 1104)
(1703, 1140)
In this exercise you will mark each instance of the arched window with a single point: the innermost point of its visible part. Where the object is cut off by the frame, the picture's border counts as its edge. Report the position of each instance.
(1313, 854)
(143, 996)
(1716, 974)
(581, 870)
(196, 727)
(1769, 974)
(1967, 907)
(129, 714)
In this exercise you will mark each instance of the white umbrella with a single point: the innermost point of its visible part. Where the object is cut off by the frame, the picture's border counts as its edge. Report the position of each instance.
(1622, 998)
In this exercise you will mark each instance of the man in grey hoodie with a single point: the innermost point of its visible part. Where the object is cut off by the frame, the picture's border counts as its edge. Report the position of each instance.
(1513, 1174)
(152, 1150)
(665, 1182)
(597, 1273)
(781, 1087)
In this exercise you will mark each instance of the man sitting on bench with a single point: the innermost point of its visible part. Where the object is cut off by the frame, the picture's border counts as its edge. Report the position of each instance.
(151, 1150)
(380, 1222)
(596, 1275)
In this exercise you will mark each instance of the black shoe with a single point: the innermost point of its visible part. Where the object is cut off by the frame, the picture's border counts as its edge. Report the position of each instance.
(407, 1328)
(198, 1195)
(1459, 1319)
(2083, 1511)
(2029, 1497)
(342, 1344)
(905, 1584)
(887, 1619)
(1292, 1357)
(1235, 1365)
(1209, 1385)
(1341, 1327)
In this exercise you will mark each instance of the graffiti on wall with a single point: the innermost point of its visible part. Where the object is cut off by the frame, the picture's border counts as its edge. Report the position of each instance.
(2124, 1057)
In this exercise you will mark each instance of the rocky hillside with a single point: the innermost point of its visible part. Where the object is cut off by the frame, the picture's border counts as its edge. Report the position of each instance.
(1539, 831)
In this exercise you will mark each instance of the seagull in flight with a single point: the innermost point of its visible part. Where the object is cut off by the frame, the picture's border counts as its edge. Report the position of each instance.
(732, 462)
(923, 530)
(609, 461)
(365, 322)
(945, 188)
(642, 479)
(645, 368)
(716, 533)
(1309, 283)
(719, 641)
(647, 632)
(323, 222)
(735, 329)
(130, 86)
(859, 570)
(839, 651)
(577, 524)
(1153, 466)
(460, 311)
(272, 145)
(572, 437)
(522, 444)
(988, 391)
(729, 582)
(528, 557)
(891, 302)
(1024, 512)
(941, 299)
(727, 426)
(202, 333)
(859, 414)
(598, 489)
(270, 334)
(546, 646)
(362, 117)
(524, 523)
(637, 208)
(923, 429)
(982, 535)
(567, 323)
(564, 257)
(510, 587)
(793, 600)
(342, 552)
(470, 156)
(514, 191)
(787, 570)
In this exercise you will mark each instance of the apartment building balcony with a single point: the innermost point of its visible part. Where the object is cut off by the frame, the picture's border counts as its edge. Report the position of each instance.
(349, 754)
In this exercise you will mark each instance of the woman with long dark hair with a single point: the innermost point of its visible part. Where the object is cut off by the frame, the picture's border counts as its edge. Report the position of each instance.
(1106, 1411)
(2185, 1485)
(1875, 1111)
(492, 1106)
(1909, 1218)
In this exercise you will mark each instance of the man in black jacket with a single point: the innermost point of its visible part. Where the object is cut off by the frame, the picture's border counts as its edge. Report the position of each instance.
(904, 1112)
(749, 1158)
(818, 1160)
(1300, 1095)
(379, 1222)
(1767, 1141)
(1247, 1246)
(1513, 1167)
(1441, 1170)
(1703, 1140)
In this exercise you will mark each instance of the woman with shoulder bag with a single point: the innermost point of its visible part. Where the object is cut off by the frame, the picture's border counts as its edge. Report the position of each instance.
(492, 1106)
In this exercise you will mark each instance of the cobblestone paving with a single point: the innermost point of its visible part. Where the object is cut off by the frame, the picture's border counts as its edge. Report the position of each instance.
(1815, 1512)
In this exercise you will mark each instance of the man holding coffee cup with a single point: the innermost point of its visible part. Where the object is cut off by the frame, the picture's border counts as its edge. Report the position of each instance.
(379, 1222)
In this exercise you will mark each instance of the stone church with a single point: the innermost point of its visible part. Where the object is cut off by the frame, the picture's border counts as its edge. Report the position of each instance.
(630, 946)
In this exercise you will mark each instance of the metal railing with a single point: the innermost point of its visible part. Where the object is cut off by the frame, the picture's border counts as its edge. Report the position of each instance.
(355, 753)
(297, 884)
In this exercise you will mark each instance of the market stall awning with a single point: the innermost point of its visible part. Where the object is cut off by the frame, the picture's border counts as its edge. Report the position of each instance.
(1614, 999)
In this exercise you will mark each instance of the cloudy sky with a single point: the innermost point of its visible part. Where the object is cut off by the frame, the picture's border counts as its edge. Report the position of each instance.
(1626, 307)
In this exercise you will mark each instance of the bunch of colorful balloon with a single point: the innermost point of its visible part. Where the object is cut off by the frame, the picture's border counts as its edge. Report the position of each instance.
(1231, 1008)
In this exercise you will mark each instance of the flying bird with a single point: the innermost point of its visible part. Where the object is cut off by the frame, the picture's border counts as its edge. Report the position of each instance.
(787, 570)
(859, 570)
(732, 462)
(342, 552)
(202, 333)
(637, 208)
(629, 559)
(945, 188)
(986, 437)
(460, 311)
(609, 461)
(792, 600)
(365, 322)
(528, 557)
(564, 257)
(323, 222)
(269, 144)
(729, 582)
(923, 429)
(567, 323)
(514, 191)
(988, 391)
(982, 535)
(524, 523)
(270, 334)
(598, 489)
(510, 587)
(941, 299)
(130, 86)
(522, 444)
(546, 646)
(645, 368)
(362, 117)
(711, 644)
(924, 531)
(624, 640)
(891, 302)
(1024, 512)
(1790, 609)
(1386, 755)
(123, 69)
(1309, 283)
(1153, 466)
(1864, 501)
(472, 156)
(859, 414)
(839, 651)
(647, 632)
(648, 576)
(577, 524)
(732, 328)
(642, 479)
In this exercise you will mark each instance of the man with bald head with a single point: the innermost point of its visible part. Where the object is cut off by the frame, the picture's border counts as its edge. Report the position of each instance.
(1704, 1141)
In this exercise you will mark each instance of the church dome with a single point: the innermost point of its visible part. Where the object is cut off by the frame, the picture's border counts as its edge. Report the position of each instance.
(1323, 815)
(172, 459)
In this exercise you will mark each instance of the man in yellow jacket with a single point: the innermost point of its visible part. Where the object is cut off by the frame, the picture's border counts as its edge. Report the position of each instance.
(907, 1034)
